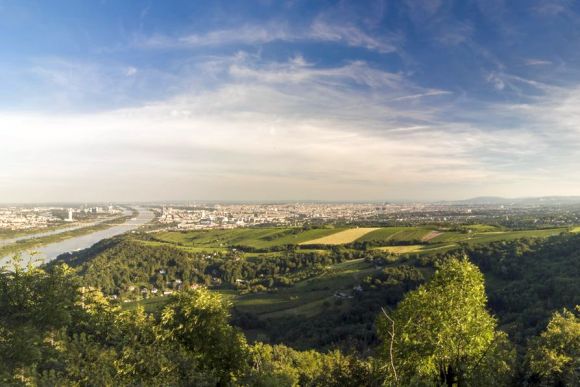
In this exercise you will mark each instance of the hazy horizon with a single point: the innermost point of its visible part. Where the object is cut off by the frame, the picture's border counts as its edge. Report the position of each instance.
(180, 202)
(268, 101)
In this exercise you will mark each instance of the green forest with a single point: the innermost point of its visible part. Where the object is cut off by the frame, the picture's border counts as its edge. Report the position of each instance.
(144, 310)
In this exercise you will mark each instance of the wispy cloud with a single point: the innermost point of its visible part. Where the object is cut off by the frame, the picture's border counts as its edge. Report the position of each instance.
(552, 7)
(537, 62)
(269, 130)
(297, 70)
(451, 34)
(429, 93)
(352, 36)
(250, 34)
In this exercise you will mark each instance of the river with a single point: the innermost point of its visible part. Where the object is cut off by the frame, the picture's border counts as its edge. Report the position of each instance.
(4, 242)
(51, 251)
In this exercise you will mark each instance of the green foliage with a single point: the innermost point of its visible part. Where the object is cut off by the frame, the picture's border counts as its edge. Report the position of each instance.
(554, 356)
(199, 321)
(119, 265)
(53, 332)
(279, 365)
(32, 301)
(527, 280)
(60, 329)
(442, 330)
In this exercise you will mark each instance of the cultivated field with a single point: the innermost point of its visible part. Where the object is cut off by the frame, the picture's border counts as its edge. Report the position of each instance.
(341, 238)
(431, 235)
(275, 237)
(259, 238)
(410, 249)
(396, 234)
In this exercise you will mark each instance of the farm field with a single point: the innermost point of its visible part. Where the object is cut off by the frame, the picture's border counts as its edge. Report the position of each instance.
(410, 249)
(384, 233)
(414, 239)
(395, 235)
(193, 249)
(488, 237)
(342, 237)
(259, 238)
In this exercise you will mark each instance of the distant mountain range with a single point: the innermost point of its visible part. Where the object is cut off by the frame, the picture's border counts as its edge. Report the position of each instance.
(497, 200)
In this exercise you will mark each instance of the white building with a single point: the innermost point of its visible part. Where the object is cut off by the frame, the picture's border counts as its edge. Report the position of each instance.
(70, 215)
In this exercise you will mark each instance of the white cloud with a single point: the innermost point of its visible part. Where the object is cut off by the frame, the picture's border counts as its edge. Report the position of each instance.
(429, 93)
(289, 130)
(318, 31)
(537, 62)
(130, 71)
(351, 35)
(496, 80)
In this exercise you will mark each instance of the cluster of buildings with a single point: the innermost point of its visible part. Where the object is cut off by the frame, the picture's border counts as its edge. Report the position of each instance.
(34, 217)
(134, 292)
(19, 218)
(99, 210)
(85, 211)
(209, 215)
(194, 217)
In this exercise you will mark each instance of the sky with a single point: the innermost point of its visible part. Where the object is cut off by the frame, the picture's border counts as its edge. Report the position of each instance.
(288, 100)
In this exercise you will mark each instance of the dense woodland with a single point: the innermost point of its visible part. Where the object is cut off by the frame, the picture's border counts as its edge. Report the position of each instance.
(55, 332)
(527, 279)
(115, 265)
(503, 313)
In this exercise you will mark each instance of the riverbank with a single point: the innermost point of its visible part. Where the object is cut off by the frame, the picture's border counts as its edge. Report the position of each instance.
(33, 243)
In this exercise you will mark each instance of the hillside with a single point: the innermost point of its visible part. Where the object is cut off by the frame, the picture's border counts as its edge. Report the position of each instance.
(286, 289)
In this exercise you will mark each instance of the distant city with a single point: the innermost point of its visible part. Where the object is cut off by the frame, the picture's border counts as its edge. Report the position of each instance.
(196, 216)
(39, 217)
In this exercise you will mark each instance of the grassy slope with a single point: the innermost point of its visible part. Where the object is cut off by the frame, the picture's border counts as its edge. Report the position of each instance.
(383, 234)
(396, 234)
(219, 240)
(306, 297)
(488, 237)
(251, 237)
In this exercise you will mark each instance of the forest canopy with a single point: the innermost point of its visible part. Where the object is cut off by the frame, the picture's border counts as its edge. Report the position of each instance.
(53, 331)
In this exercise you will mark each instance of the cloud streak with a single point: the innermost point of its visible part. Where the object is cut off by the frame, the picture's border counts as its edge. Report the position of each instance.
(250, 34)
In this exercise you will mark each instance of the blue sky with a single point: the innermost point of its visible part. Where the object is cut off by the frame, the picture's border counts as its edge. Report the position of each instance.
(273, 100)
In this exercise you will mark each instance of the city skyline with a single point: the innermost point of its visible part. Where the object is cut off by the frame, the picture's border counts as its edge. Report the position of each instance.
(288, 101)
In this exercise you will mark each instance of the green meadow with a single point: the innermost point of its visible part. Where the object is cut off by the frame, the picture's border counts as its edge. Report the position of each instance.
(399, 240)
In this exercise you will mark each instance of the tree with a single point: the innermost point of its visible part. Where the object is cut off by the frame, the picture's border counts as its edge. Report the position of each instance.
(442, 333)
(282, 366)
(34, 305)
(554, 356)
(199, 320)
